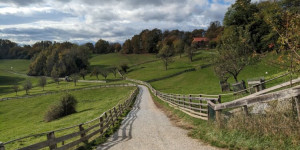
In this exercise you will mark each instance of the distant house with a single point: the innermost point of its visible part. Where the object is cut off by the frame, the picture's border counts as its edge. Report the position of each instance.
(200, 42)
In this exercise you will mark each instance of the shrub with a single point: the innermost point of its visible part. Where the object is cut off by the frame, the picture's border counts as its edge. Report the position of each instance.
(66, 106)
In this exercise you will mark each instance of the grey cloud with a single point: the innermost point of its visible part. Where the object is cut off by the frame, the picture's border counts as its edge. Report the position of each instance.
(22, 2)
(11, 19)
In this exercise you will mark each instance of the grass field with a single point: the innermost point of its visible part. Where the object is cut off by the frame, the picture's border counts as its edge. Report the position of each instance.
(22, 117)
(17, 75)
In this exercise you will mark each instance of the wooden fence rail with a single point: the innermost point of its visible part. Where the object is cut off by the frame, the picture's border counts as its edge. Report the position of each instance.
(194, 105)
(85, 131)
(246, 102)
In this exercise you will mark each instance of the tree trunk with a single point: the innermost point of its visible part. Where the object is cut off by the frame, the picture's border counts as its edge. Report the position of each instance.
(236, 79)
(166, 66)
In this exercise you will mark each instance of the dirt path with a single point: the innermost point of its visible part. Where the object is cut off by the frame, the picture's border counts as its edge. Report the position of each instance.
(148, 128)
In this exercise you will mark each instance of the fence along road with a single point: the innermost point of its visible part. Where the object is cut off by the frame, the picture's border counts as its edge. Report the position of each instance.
(148, 128)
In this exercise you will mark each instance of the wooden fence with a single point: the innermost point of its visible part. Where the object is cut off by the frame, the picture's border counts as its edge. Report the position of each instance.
(209, 106)
(194, 105)
(244, 103)
(77, 89)
(80, 133)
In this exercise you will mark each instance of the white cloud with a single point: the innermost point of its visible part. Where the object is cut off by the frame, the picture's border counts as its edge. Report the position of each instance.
(113, 20)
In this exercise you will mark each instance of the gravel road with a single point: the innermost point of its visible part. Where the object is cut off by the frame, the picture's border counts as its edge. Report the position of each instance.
(148, 128)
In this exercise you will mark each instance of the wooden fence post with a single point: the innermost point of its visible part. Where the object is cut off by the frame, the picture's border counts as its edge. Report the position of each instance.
(211, 112)
(51, 138)
(101, 124)
(297, 101)
(190, 100)
(82, 135)
(112, 117)
(2, 146)
(183, 98)
(200, 102)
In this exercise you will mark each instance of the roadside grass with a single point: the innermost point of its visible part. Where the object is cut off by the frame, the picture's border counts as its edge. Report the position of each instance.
(23, 117)
(209, 132)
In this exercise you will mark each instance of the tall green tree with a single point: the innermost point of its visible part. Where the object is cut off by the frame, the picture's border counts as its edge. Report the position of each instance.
(101, 46)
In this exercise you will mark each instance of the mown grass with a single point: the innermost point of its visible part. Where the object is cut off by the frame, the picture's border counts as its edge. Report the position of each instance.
(209, 132)
(115, 59)
(17, 76)
(23, 117)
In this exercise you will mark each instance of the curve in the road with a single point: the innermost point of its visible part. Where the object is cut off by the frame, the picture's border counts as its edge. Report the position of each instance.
(148, 128)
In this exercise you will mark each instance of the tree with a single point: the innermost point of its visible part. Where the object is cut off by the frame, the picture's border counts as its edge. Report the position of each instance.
(190, 51)
(166, 54)
(90, 46)
(101, 46)
(15, 88)
(95, 72)
(240, 13)
(104, 73)
(75, 78)
(43, 82)
(234, 53)
(127, 48)
(83, 73)
(124, 67)
(55, 75)
(27, 86)
(179, 46)
(114, 71)
(214, 30)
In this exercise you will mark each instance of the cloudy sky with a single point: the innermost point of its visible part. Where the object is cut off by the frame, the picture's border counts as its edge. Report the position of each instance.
(80, 21)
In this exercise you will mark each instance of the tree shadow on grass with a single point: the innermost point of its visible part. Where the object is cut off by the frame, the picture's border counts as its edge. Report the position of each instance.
(7, 82)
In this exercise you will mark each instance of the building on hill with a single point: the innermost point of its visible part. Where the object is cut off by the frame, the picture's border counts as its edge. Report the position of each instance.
(200, 42)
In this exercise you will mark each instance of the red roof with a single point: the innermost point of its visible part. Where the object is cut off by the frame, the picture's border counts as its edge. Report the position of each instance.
(200, 39)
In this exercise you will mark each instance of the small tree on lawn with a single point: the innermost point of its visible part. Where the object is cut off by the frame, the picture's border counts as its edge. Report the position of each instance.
(95, 72)
(83, 73)
(75, 78)
(234, 53)
(166, 55)
(124, 67)
(179, 46)
(27, 86)
(15, 88)
(114, 71)
(42, 82)
(55, 75)
(104, 73)
(190, 51)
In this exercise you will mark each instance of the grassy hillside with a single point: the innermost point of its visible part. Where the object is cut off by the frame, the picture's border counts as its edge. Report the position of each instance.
(17, 75)
(22, 117)
(115, 59)
(203, 80)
